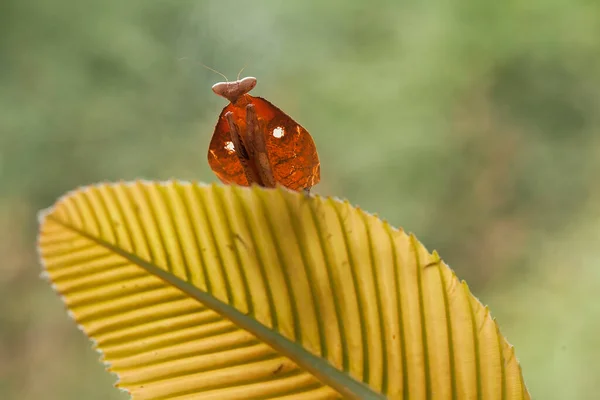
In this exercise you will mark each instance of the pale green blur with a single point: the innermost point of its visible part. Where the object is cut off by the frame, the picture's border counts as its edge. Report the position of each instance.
(475, 125)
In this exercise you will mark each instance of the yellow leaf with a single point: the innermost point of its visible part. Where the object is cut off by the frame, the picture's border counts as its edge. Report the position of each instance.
(222, 292)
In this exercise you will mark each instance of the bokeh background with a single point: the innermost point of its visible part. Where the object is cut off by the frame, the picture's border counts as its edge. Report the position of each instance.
(475, 125)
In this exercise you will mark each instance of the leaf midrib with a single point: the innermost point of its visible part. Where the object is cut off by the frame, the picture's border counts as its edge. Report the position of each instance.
(347, 386)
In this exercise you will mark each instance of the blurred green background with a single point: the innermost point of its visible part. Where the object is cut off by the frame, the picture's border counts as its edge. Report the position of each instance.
(475, 125)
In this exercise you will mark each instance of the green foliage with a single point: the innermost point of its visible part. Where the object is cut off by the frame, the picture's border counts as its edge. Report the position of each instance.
(472, 124)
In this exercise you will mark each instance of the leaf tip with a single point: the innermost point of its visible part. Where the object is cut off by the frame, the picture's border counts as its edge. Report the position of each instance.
(43, 214)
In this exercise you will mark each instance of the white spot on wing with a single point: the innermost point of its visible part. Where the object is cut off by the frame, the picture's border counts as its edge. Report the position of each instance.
(278, 132)
(229, 146)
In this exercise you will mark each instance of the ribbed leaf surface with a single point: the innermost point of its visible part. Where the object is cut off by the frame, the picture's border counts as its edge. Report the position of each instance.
(213, 292)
